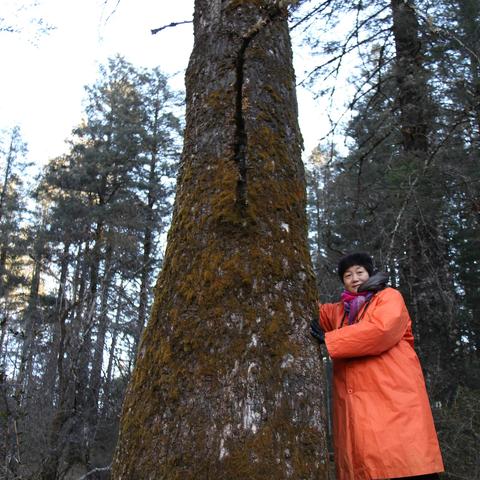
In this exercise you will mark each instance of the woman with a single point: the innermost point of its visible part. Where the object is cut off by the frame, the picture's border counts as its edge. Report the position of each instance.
(383, 426)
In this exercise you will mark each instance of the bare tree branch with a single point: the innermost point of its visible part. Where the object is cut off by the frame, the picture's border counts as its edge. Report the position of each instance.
(173, 24)
(96, 470)
(114, 10)
(312, 13)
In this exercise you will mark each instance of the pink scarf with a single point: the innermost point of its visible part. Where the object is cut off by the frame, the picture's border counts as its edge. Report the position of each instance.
(353, 302)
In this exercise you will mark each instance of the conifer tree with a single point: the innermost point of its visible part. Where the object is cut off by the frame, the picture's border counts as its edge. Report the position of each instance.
(103, 196)
(14, 288)
(12, 207)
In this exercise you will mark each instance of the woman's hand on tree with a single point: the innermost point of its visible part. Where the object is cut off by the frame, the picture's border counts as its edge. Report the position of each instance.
(316, 331)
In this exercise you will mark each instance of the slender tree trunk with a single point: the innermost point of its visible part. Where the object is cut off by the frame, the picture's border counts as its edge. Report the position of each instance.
(111, 354)
(65, 427)
(411, 79)
(426, 272)
(3, 333)
(95, 381)
(475, 68)
(468, 16)
(78, 446)
(30, 319)
(154, 143)
(9, 440)
(227, 382)
(57, 344)
(412, 101)
(147, 252)
(3, 262)
(64, 415)
(6, 177)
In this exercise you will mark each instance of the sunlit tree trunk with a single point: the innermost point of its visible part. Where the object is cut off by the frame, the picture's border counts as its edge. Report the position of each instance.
(228, 383)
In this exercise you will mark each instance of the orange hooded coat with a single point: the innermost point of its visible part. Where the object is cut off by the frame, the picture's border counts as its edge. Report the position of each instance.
(383, 425)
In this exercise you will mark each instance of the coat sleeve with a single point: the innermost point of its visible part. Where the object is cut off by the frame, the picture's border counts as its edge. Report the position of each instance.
(384, 326)
(326, 316)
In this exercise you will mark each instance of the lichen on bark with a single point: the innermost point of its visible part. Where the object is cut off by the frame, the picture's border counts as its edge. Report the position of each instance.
(228, 384)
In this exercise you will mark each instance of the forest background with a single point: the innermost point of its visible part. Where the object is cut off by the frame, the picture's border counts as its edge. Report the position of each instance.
(396, 174)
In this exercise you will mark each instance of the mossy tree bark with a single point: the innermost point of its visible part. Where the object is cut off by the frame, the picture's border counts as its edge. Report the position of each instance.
(228, 384)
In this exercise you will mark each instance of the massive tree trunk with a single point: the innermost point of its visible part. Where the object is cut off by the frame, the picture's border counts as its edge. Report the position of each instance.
(228, 383)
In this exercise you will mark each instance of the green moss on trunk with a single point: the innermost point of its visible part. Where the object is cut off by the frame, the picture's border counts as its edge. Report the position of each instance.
(228, 383)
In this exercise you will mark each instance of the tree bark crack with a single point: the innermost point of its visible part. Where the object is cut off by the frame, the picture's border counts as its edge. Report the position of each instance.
(240, 139)
(240, 136)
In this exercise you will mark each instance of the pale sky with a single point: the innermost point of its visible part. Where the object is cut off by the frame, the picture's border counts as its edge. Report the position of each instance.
(41, 86)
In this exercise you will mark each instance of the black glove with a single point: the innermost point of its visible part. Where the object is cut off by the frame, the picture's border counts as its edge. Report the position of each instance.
(316, 331)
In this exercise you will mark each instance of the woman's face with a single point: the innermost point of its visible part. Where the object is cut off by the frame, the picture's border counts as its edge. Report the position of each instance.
(354, 277)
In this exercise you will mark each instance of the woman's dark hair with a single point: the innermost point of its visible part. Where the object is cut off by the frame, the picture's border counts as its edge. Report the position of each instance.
(357, 258)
